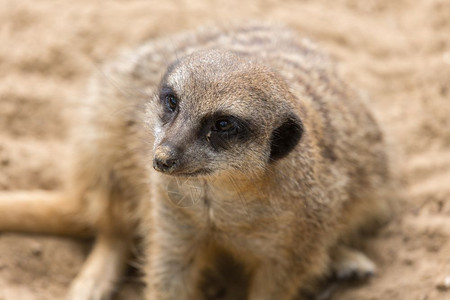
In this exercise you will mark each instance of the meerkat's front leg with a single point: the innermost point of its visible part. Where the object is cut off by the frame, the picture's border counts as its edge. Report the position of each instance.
(172, 273)
(100, 274)
(172, 264)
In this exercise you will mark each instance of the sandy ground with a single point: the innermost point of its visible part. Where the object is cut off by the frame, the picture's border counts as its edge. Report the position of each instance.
(397, 52)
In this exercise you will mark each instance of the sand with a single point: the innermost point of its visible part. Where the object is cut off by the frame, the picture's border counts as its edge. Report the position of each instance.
(396, 52)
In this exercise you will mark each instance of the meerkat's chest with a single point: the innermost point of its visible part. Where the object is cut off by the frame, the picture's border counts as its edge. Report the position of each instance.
(230, 211)
(220, 208)
(223, 210)
(227, 216)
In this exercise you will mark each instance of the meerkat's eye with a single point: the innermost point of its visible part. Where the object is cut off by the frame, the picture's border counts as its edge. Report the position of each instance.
(222, 131)
(223, 125)
(171, 102)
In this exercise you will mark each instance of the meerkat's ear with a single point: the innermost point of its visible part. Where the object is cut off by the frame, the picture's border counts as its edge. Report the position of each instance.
(285, 137)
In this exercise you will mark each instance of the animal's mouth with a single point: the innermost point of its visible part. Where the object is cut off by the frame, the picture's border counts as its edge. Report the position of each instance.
(185, 173)
(195, 173)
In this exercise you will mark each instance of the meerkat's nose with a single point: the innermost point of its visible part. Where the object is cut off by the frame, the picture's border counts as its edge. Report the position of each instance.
(166, 158)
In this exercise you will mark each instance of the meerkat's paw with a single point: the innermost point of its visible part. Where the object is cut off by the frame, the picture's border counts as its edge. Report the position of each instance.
(102, 271)
(350, 264)
(85, 288)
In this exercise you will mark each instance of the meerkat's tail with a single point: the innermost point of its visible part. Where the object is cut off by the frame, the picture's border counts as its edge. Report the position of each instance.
(57, 213)
(42, 212)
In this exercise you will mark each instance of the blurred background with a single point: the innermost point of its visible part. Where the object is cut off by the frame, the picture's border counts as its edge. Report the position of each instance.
(397, 52)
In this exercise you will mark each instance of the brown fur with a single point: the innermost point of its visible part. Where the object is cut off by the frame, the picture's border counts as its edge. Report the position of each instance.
(287, 221)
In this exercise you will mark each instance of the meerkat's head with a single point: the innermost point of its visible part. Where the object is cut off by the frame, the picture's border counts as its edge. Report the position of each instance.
(218, 113)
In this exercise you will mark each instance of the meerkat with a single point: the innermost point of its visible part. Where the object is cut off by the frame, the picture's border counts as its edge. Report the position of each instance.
(283, 164)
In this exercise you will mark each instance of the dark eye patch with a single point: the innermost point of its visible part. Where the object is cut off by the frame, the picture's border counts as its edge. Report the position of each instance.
(170, 101)
(166, 91)
(221, 131)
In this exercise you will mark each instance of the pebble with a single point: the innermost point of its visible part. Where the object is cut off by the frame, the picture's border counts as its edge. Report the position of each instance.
(36, 249)
(444, 285)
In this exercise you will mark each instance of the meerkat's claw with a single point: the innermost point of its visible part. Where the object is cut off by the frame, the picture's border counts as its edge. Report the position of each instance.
(99, 276)
(89, 289)
(350, 264)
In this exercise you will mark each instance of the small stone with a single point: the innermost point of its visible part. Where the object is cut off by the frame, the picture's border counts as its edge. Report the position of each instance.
(408, 261)
(4, 162)
(444, 285)
(444, 91)
(36, 249)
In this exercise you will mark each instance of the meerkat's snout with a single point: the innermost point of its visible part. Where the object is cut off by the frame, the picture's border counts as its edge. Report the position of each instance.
(166, 158)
